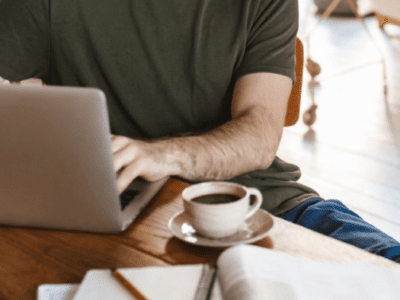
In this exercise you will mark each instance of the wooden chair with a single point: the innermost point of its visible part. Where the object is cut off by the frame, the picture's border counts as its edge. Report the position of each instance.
(383, 20)
(293, 109)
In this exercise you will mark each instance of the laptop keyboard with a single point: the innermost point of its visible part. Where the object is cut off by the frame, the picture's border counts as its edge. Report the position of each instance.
(126, 197)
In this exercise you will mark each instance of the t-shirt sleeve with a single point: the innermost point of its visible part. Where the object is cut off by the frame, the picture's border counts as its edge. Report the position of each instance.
(24, 38)
(271, 39)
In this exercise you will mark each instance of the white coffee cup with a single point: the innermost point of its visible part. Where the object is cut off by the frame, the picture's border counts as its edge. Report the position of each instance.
(219, 220)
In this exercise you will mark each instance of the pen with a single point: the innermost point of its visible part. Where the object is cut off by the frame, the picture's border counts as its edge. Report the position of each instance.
(128, 285)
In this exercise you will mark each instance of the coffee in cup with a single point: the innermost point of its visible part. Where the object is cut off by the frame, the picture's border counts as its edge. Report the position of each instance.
(218, 209)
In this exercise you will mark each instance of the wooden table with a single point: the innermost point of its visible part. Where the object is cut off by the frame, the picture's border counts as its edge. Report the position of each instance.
(30, 257)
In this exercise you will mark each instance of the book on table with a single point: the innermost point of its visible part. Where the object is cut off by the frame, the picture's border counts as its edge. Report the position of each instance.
(244, 272)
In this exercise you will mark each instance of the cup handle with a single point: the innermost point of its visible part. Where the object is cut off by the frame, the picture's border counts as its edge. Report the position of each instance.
(257, 203)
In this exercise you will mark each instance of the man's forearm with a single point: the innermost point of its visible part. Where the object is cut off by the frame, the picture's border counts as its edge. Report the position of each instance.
(248, 142)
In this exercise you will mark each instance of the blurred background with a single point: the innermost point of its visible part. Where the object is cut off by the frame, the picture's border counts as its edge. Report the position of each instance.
(351, 151)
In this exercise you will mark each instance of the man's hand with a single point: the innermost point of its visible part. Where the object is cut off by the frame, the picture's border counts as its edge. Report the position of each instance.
(134, 158)
(3, 81)
(30, 81)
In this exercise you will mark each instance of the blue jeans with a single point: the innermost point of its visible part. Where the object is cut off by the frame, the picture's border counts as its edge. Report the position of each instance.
(334, 219)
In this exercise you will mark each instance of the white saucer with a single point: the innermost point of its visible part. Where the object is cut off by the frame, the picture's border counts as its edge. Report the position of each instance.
(252, 230)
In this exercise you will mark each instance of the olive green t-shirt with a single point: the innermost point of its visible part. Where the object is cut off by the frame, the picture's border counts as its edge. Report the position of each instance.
(167, 67)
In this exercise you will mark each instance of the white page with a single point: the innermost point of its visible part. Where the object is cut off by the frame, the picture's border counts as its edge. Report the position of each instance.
(164, 283)
(273, 272)
(101, 285)
(56, 291)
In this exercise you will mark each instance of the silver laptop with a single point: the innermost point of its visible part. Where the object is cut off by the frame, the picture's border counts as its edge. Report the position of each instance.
(56, 162)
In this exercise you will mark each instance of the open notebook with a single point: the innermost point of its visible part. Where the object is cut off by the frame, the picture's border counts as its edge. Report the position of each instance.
(183, 282)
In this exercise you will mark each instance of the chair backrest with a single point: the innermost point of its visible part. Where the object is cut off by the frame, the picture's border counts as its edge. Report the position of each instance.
(293, 109)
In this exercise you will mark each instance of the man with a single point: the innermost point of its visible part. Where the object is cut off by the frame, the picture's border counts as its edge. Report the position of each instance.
(196, 89)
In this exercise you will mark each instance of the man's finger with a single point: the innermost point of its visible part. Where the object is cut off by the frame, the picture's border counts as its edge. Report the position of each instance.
(125, 178)
(118, 142)
(122, 158)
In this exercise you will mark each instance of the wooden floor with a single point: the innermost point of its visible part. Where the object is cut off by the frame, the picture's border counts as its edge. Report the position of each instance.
(352, 152)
